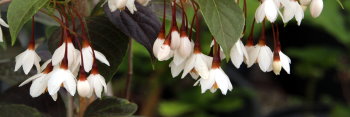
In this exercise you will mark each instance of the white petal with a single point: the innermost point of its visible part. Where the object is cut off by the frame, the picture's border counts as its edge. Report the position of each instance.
(87, 58)
(194, 75)
(176, 69)
(209, 82)
(270, 10)
(175, 40)
(54, 96)
(31, 79)
(260, 14)
(70, 84)
(83, 88)
(289, 10)
(3, 23)
(156, 46)
(285, 61)
(19, 59)
(253, 52)
(43, 67)
(299, 14)
(28, 61)
(101, 57)
(1, 36)
(201, 66)
(189, 65)
(71, 54)
(130, 4)
(39, 86)
(265, 58)
(222, 81)
(164, 52)
(236, 56)
(186, 48)
(58, 55)
(178, 59)
(316, 7)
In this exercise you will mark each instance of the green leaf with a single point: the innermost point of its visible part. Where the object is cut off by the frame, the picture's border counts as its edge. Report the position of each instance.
(108, 40)
(111, 107)
(225, 21)
(17, 110)
(20, 12)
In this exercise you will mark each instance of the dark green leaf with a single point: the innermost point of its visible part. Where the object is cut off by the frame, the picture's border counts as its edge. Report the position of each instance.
(225, 21)
(143, 25)
(108, 40)
(17, 110)
(111, 107)
(20, 12)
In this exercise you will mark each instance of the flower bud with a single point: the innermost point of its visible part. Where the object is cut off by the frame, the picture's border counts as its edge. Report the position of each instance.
(316, 8)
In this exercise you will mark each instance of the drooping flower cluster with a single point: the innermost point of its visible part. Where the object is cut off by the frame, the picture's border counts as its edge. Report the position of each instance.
(270, 9)
(68, 66)
(189, 59)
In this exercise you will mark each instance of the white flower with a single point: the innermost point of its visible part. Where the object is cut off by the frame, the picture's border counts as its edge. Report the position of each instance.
(88, 58)
(176, 69)
(283, 61)
(27, 59)
(61, 76)
(316, 7)
(263, 55)
(130, 4)
(184, 51)
(3, 23)
(83, 87)
(292, 9)
(158, 43)
(39, 82)
(217, 79)
(165, 52)
(200, 62)
(59, 53)
(116, 4)
(97, 83)
(238, 53)
(175, 38)
(253, 55)
(269, 9)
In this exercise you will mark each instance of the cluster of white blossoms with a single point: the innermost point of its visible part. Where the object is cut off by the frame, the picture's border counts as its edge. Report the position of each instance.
(188, 58)
(290, 8)
(122, 4)
(67, 68)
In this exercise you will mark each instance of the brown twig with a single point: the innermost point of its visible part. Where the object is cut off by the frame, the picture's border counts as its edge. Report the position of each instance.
(130, 72)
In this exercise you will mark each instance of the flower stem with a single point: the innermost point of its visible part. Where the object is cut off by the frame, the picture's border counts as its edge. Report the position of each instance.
(130, 71)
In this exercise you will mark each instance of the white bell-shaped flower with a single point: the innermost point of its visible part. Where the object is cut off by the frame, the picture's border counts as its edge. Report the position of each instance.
(238, 54)
(28, 58)
(199, 62)
(39, 82)
(292, 9)
(158, 43)
(267, 9)
(83, 85)
(97, 82)
(217, 78)
(165, 52)
(176, 69)
(281, 61)
(316, 8)
(59, 53)
(88, 56)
